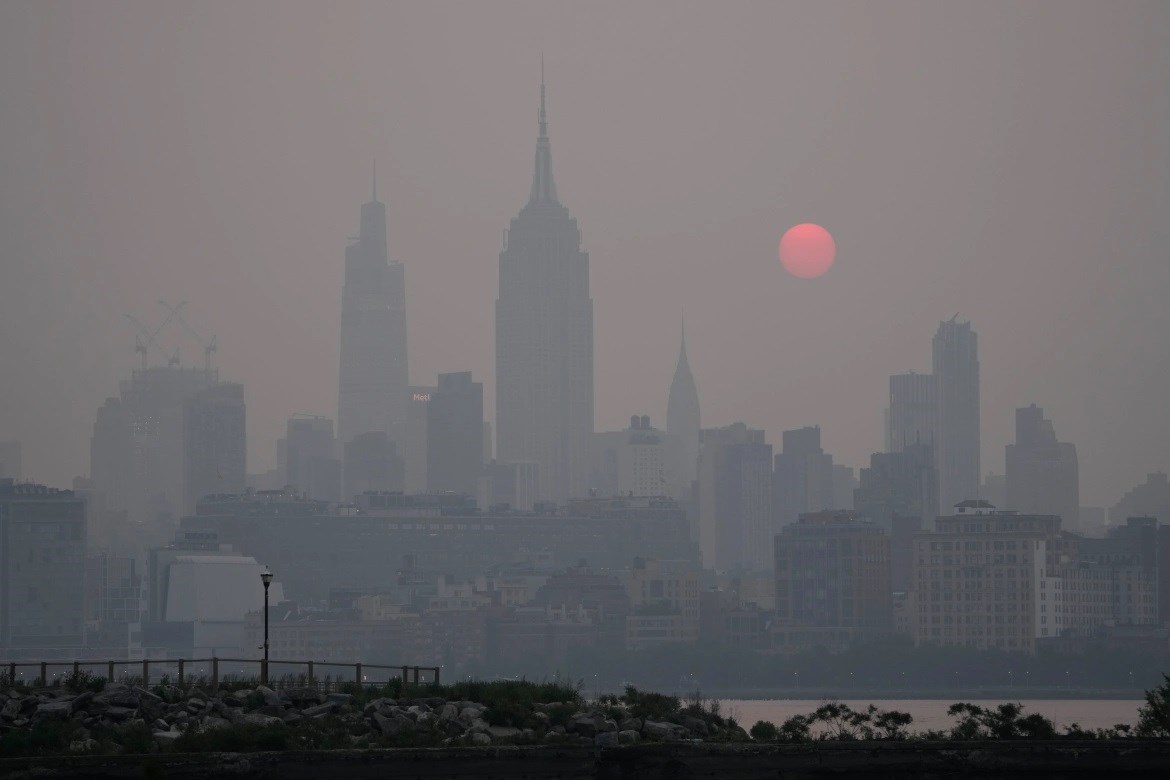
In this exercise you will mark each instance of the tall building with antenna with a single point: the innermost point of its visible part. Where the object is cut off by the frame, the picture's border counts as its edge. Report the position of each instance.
(373, 383)
(544, 338)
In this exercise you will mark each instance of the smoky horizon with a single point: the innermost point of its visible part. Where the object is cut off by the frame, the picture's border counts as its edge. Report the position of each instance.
(1005, 164)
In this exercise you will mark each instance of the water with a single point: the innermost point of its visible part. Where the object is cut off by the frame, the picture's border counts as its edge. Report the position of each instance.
(932, 713)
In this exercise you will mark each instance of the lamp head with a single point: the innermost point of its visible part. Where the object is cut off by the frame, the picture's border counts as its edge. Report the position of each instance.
(266, 577)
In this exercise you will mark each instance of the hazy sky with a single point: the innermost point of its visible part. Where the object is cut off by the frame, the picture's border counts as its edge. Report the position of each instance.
(1006, 161)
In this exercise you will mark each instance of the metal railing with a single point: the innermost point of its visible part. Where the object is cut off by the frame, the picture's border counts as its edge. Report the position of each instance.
(215, 670)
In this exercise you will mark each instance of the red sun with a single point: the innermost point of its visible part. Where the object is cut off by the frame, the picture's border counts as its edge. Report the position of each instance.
(807, 250)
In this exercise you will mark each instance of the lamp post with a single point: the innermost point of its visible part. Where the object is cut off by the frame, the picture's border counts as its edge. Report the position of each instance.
(266, 578)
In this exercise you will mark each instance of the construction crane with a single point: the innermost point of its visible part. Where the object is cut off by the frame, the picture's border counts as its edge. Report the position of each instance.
(209, 346)
(145, 338)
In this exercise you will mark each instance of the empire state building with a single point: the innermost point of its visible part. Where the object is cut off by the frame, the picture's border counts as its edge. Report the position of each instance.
(544, 339)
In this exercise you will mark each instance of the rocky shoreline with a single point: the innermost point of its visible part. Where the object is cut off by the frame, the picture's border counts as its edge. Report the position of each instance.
(175, 719)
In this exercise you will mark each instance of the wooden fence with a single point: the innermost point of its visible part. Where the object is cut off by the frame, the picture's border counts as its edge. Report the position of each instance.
(214, 670)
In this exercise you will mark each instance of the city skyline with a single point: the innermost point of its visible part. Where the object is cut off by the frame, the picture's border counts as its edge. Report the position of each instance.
(268, 284)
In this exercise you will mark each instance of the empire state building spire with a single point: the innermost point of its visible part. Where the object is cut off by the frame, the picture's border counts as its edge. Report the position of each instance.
(544, 189)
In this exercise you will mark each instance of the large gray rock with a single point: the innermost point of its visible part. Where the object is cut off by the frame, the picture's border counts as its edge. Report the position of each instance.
(11, 708)
(166, 738)
(480, 738)
(271, 697)
(448, 712)
(628, 737)
(393, 725)
(630, 724)
(213, 722)
(118, 695)
(663, 731)
(320, 711)
(82, 701)
(304, 697)
(584, 725)
(498, 733)
(88, 745)
(258, 719)
(339, 698)
(696, 725)
(54, 710)
(606, 739)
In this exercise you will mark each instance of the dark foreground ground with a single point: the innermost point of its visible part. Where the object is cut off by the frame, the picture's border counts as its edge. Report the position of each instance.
(1003, 760)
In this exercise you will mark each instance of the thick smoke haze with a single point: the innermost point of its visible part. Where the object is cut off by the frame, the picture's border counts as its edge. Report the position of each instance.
(1005, 161)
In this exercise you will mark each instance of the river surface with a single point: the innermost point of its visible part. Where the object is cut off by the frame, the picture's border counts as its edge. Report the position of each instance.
(932, 713)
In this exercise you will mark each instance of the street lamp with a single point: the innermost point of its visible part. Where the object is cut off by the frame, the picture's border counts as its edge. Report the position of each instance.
(266, 578)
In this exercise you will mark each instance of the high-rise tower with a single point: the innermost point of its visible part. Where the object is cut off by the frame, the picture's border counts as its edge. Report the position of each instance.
(683, 425)
(544, 339)
(372, 394)
(956, 434)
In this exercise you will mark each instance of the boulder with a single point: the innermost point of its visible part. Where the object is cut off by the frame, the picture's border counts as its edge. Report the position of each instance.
(392, 725)
(213, 722)
(607, 724)
(11, 708)
(695, 725)
(321, 710)
(628, 737)
(584, 725)
(480, 738)
(87, 745)
(663, 731)
(166, 738)
(304, 697)
(82, 701)
(498, 733)
(606, 739)
(118, 695)
(630, 724)
(259, 719)
(339, 698)
(271, 697)
(54, 710)
(448, 712)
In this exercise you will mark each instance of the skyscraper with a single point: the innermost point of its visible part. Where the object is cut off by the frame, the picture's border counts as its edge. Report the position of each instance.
(455, 435)
(803, 480)
(144, 448)
(214, 442)
(683, 425)
(544, 339)
(735, 527)
(956, 442)
(1042, 473)
(311, 462)
(373, 384)
(913, 410)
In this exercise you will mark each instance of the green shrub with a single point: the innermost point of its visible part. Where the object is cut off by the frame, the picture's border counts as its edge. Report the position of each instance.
(1154, 716)
(763, 731)
(650, 706)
